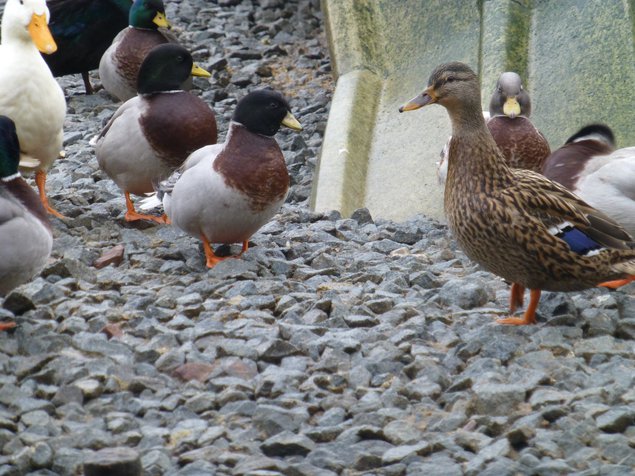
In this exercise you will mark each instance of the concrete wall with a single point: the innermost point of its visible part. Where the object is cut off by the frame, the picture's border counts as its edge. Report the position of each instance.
(576, 57)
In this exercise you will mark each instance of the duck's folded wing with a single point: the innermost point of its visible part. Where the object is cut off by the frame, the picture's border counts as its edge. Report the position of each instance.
(563, 214)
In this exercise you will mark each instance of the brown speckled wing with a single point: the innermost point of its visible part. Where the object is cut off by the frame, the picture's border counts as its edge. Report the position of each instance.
(254, 165)
(522, 145)
(553, 204)
(177, 124)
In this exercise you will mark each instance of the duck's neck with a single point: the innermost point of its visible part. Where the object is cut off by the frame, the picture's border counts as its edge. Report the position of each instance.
(473, 154)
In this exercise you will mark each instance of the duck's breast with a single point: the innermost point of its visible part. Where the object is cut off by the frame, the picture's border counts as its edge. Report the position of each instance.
(202, 203)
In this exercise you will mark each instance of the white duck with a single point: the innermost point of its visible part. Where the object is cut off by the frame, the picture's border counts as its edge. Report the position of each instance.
(224, 193)
(29, 94)
(590, 167)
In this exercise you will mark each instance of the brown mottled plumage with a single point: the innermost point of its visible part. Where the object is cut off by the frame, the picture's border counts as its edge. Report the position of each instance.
(516, 223)
(522, 145)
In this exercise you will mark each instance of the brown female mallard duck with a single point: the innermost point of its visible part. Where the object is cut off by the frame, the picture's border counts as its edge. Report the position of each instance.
(516, 223)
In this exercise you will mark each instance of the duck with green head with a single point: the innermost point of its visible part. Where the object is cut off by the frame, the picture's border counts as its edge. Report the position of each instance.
(25, 233)
(119, 65)
(152, 134)
(83, 30)
(516, 223)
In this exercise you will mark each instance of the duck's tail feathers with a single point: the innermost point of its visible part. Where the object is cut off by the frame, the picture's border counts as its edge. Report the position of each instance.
(28, 162)
(151, 202)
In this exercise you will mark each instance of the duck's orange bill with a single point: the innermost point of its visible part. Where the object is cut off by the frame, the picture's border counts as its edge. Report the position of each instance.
(423, 99)
(41, 35)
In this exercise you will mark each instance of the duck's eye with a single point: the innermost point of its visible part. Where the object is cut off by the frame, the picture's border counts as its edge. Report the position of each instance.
(273, 105)
(179, 59)
(450, 79)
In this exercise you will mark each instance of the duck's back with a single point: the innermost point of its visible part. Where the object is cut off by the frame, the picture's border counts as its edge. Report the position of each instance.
(83, 31)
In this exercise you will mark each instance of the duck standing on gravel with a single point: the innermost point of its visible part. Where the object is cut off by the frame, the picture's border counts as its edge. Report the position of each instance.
(152, 134)
(25, 233)
(590, 167)
(119, 65)
(523, 146)
(224, 193)
(83, 30)
(516, 223)
(29, 94)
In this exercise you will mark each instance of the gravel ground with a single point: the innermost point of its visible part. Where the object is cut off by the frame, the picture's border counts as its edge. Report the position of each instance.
(334, 346)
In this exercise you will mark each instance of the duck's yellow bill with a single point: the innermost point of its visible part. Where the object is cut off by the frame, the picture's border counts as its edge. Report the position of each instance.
(198, 71)
(41, 35)
(511, 108)
(161, 21)
(291, 122)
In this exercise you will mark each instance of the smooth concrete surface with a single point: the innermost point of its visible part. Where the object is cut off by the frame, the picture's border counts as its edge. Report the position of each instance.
(576, 57)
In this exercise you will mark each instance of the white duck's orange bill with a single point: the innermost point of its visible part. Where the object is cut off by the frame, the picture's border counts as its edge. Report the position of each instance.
(41, 35)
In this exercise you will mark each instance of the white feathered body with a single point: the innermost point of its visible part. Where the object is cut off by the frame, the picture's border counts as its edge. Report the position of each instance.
(29, 94)
(203, 204)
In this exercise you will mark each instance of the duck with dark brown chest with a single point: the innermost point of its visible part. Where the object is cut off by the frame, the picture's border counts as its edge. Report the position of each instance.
(25, 233)
(516, 223)
(120, 63)
(152, 134)
(589, 166)
(224, 193)
(522, 145)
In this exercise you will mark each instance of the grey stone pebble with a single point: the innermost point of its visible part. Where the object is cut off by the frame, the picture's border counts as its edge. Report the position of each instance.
(335, 345)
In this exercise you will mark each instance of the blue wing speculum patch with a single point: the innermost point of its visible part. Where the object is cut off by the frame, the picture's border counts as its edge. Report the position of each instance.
(578, 241)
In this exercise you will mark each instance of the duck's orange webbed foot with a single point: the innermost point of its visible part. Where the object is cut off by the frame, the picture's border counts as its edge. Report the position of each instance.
(211, 259)
(618, 283)
(40, 181)
(133, 215)
(5, 326)
(530, 313)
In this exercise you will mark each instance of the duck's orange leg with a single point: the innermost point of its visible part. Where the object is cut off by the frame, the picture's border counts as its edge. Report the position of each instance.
(5, 326)
(617, 283)
(133, 215)
(40, 181)
(530, 313)
(244, 248)
(211, 259)
(516, 297)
